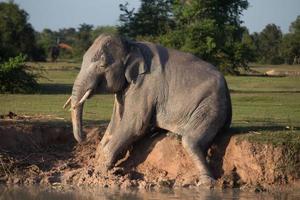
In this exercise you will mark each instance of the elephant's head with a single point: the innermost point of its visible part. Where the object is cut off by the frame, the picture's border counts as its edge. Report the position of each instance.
(110, 64)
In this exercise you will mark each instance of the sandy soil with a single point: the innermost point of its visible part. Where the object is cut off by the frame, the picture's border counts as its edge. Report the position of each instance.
(37, 153)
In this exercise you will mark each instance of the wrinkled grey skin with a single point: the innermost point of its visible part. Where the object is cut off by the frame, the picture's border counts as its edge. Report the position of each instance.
(154, 87)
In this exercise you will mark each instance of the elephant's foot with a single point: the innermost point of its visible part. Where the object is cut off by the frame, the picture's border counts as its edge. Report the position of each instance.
(206, 181)
(103, 159)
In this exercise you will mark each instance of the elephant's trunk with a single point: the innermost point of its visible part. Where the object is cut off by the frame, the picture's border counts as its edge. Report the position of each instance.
(79, 95)
(82, 89)
(76, 115)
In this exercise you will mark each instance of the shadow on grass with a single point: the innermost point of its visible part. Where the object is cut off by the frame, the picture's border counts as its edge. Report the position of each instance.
(263, 75)
(256, 128)
(54, 123)
(266, 91)
(59, 88)
(55, 88)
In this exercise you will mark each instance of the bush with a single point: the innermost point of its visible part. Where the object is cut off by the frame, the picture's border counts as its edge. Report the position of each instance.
(17, 35)
(17, 77)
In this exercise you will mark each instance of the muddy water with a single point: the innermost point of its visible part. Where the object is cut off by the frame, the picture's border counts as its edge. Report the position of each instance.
(24, 193)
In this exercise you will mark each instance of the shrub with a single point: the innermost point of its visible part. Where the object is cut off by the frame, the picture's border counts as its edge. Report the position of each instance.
(17, 77)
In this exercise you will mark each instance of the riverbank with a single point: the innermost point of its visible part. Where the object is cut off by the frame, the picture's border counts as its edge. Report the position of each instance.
(34, 152)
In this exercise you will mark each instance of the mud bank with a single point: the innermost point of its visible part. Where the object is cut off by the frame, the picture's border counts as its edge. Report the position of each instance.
(48, 155)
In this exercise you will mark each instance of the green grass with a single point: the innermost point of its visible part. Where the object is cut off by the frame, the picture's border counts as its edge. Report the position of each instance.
(55, 65)
(97, 108)
(265, 104)
(260, 108)
(250, 84)
(56, 86)
(276, 138)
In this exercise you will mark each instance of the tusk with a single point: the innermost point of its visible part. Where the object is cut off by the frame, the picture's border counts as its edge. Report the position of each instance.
(67, 103)
(82, 100)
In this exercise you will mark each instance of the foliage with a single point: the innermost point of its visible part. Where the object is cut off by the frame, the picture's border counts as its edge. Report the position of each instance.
(16, 76)
(103, 29)
(18, 37)
(269, 44)
(16, 34)
(46, 38)
(78, 39)
(153, 18)
(208, 29)
(290, 47)
(295, 26)
(84, 39)
(274, 47)
(211, 30)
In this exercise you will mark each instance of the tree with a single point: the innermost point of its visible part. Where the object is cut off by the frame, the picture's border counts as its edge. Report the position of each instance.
(71, 41)
(16, 34)
(153, 18)
(46, 39)
(269, 44)
(250, 41)
(295, 26)
(103, 29)
(211, 30)
(126, 20)
(290, 48)
(84, 39)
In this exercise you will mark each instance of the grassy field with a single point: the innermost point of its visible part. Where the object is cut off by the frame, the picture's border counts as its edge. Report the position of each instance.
(259, 103)
(56, 85)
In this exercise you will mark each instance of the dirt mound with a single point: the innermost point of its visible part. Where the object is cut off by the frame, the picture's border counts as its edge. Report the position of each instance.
(32, 154)
(45, 154)
(258, 164)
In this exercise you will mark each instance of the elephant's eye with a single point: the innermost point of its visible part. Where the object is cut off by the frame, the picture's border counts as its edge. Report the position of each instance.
(97, 56)
(102, 61)
(101, 58)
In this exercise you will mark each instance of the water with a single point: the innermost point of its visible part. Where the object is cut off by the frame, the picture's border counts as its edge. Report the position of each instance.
(24, 193)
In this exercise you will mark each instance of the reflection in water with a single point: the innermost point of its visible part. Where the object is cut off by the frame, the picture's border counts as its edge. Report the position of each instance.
(24, 193)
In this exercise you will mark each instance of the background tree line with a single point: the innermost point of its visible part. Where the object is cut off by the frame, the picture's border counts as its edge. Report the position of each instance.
(19, 43)
(210, 29)
(78, 39)
(17, 36)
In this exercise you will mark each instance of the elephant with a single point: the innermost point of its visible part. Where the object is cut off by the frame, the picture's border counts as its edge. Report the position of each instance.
(154, 87)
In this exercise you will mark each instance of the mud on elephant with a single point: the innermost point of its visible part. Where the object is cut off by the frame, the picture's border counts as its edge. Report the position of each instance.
(153, 86)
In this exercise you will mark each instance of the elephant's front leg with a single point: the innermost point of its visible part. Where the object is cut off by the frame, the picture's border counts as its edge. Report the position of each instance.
(123, 129)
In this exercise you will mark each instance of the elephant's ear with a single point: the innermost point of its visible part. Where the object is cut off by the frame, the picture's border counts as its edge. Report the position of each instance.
(135, 64)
